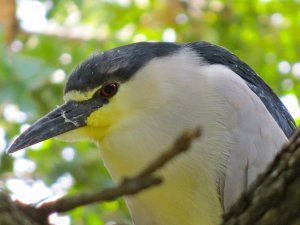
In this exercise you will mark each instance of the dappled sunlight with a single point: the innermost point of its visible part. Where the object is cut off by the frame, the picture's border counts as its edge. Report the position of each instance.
(23, 167)
(28, 191)
(3, 142)
(12, 113)
(68, 153)
(32, 15)
(292, 104)
(296, 70)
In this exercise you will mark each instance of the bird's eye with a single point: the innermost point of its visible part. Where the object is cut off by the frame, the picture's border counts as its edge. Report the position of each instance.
(109, 90)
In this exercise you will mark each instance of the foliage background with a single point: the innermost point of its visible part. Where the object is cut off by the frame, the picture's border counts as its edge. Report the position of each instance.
(34, 62)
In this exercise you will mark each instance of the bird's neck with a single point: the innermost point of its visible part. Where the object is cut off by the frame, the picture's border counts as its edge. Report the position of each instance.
(187, 189)
(190, 186)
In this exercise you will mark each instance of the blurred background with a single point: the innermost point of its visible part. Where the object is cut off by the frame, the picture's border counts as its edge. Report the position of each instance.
(42, 40)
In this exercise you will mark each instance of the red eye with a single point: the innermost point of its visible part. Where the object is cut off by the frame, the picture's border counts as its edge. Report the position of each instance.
(109, 90)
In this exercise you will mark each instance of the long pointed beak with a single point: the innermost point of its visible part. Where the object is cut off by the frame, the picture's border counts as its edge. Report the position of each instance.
(66, 117)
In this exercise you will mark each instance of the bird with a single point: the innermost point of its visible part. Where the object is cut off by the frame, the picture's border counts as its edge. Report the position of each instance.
(134, 100)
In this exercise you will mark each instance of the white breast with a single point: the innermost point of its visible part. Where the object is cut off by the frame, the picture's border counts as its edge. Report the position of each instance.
(239, 138)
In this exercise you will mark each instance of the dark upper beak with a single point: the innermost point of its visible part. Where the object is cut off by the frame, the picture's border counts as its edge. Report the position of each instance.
(66, 117)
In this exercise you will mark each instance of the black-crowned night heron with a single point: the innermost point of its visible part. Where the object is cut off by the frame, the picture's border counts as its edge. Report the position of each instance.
(136, 99)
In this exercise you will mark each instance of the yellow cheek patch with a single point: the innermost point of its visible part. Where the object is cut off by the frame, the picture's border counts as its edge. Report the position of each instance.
(99, 122)
(92, 133)
(105, 116)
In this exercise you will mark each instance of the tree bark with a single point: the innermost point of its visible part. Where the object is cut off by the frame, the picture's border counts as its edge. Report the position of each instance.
(8, 19)
(11, 214)
(274, 199)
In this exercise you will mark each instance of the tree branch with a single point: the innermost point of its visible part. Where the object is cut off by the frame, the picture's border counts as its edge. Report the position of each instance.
(128, 186)
(10, 214)
(8, 19)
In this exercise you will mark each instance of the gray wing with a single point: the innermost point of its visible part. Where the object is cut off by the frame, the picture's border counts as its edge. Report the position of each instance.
(261, 127)
(214, 54)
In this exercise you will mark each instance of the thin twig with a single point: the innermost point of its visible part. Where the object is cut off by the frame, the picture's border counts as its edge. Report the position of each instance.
(128, 186)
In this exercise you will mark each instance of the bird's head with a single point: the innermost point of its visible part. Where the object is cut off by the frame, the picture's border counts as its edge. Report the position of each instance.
(101, 92)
